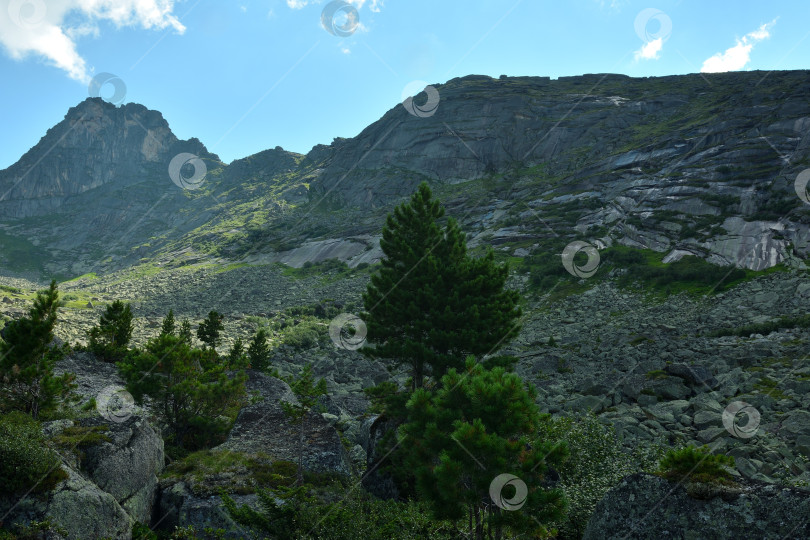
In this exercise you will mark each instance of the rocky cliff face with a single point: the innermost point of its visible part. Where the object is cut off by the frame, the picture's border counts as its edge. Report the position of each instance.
(694, 164)
(688, 165)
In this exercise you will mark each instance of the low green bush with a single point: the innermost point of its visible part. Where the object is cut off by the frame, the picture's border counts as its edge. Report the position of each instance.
(247, 471)
(329, 267)
(696, 464)
(308, 333)
(545, 269)
(765, 328)
(305, 516)
(690, 273)
(36, 530)
(142, 532)
(77, 439)
(596, 462)
(26, 462)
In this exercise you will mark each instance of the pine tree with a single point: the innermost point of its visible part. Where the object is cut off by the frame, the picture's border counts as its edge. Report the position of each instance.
(167, 328)
(110, 338)
(478, 425)
(27, 359)
(237, 359)
(185, 332)
(210, 329)
(307, 390)
(259, 351)
(280, 511)
(431, 304)
(190, 388)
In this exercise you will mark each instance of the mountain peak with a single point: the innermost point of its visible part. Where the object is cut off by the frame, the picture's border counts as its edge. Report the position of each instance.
(97, 143)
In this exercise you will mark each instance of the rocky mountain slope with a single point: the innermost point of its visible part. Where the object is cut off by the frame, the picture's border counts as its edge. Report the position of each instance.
(686, 165)
(699, 164)
(654, 367)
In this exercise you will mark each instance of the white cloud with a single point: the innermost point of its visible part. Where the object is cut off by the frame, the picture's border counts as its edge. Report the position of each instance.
(615, 5)
(738, 56)
(650, 50)
(374, 5)
(50, 31)
(346, 50)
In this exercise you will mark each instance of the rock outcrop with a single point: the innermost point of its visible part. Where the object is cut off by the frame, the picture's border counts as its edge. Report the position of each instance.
(261, 431)
(77, 505)
(127, 465)
(645, 507)
(112, 478)
(376, 480)
(92, 375)
(263, 427)
(111, 486)
(179, 506)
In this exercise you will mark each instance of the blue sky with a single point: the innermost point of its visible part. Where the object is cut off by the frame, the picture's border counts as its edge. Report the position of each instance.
(247, 75)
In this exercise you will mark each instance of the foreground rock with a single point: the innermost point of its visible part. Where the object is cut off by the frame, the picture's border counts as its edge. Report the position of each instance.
(181, 507)
(263, 427)
(377, 480)
(111, 482)
(263, 431)
(77, 505)
(112, 467)
(127, 465)
(645, 506)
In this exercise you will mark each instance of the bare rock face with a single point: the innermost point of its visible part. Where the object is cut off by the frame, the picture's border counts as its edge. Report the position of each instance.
(664, 163)
(645, 506)
(756, 244)
(95, 175)
(353, 251)
(92, 375)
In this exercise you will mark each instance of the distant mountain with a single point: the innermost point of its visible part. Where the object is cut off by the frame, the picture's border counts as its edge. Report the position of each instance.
(98, 185)
(697, 164)
(96, 147)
